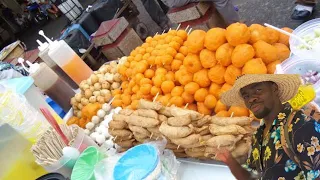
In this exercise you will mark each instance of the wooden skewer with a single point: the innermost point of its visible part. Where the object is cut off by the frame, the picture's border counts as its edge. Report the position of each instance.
(169, 30)
(187, 28)
(178, 27)
(111, 101)
(178, 147)
(163, 31)
(151, 135)
(189, 31)
(185, 107)
(156, 33)
(232, 114)
(155, 98)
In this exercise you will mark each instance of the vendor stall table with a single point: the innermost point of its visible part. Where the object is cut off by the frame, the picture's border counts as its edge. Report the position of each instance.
(192, 169)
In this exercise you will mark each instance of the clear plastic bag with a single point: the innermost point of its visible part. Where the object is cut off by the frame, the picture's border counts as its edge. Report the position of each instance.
(166, 168)
(18, 113)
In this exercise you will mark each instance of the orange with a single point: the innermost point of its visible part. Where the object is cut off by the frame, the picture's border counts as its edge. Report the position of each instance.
(167, 86)
(138, 77)
(177, 91)
(178, 40)
(155, 90)
(266, 52)
(161, 71)
(153, 43)
(141, 67)
(170, 76)
(258, 32)
(195, 41)
(180, 73)
(129, 72)
(176, 100)
(158, 80)
(134, 97)
(238, 33)
(225, 87)
(236, 111)
(149, 39)
(116, 103)
(167, 67)
(216, 74)
(179, 56)
(171, 51)
(224, 53)
(201, 94)
(138, 57)
(127, 64)
(175, 65)
(175, 45)
(192, 107)
(273, 35)
(146, 56)
(284, 39)
(149, 50)
(115, 92)
(130, 58)
(145, 89)
(215, 89)
(223, 114)
(203, 109)
(231, 74)
(126, 100)
(135, 88)
(151, 60)
(184, 50)
(207, 58)
(182, 34)
(191, 88)
(149, 73)
(124, 84)
(201, 78)
(134, 53)
(187, 98)
(210, 101)
(168, 39)
(134, 104)
(172, 32)
(254, 66)
(192, 63)
(131, 83)
(220, 107)
(242, 54)
(145, 81)
(271, 68)
(166, 59)
(215, 37)
(132, 64)
(158, 61)
(122, 70)
(155, 52)
(142, 51)
(164, 100)
(128, 91)
(185, 78)
(283, 51)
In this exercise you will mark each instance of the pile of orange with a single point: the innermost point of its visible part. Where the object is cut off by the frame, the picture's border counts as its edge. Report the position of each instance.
(193, 70)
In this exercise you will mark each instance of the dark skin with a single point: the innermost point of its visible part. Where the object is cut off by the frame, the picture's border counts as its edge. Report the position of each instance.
(263, 101)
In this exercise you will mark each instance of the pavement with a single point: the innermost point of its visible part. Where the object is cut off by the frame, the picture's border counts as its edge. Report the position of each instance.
(275, 12)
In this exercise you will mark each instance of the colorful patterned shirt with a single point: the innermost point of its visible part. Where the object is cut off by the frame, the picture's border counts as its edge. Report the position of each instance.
(268, 159)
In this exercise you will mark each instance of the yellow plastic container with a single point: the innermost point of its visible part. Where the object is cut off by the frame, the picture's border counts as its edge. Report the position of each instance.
(17, 161)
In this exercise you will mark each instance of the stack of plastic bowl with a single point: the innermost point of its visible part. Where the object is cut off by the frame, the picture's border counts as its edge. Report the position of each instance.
(305, 29)
(296, 65)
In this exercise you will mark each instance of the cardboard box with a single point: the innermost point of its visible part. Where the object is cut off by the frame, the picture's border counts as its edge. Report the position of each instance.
(109, 31)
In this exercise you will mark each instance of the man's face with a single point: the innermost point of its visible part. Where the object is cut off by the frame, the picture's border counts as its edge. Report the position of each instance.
(260, 97)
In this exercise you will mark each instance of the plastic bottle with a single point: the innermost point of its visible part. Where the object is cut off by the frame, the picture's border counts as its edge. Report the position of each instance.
(52, 85)
(64, 56)
(43, 54)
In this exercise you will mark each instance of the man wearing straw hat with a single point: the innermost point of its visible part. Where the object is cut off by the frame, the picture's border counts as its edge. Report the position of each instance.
(286, 145)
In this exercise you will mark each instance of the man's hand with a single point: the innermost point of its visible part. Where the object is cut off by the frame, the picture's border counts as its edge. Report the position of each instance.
(237, 170)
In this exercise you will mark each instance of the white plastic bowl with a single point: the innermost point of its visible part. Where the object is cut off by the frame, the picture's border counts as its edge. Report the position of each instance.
(303, 30)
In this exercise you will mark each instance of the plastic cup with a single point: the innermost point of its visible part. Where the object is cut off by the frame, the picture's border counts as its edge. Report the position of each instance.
(296, 65)
(85, 165)
(64, 166)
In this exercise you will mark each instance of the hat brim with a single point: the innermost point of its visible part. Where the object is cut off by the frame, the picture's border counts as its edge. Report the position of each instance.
(288, 85)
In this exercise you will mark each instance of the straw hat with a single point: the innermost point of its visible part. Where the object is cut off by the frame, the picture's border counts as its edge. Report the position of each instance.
(288, 85)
